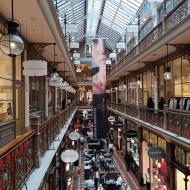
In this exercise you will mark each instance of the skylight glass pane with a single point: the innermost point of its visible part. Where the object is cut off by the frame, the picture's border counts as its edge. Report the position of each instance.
(93, 15)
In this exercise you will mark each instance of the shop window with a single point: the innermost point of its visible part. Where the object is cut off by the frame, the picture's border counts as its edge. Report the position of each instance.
(176, 2)
(6, 100)
(160, 14)
(169, 5)
(161, 81)
(6, 88)
(59, 98)
(50, 97)
(148, 86)
(18, 67)
(36, 98)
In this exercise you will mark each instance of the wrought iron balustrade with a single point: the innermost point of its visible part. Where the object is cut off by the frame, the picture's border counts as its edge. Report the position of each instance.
(155, 117)
(179, 123)
(177, 15)
(174, 121)
(17, 159)
(151, 37)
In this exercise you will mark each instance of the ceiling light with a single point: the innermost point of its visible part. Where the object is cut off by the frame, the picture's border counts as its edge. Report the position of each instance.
(167, 74)
(12, 44)
(54, 76)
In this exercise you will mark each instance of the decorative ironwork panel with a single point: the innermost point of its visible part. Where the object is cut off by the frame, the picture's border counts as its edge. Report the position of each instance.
(155, 34)
(17, 165)
(177, 16)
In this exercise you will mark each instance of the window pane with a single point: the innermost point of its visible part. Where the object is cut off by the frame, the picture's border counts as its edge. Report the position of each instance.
(176, 71)
(18, 67)
(185, 70)
(6, 104)
(6, 66)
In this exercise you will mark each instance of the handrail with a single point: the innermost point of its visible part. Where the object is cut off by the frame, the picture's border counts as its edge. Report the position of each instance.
(180, 124)
(16, 142)
(21, 152)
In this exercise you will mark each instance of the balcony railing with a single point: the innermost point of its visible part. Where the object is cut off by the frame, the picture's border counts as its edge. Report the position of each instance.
(17, 159)
(174, 121)
(176, 16)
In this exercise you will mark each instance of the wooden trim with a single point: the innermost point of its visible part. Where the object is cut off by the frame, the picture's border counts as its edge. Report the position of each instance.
(16, 142)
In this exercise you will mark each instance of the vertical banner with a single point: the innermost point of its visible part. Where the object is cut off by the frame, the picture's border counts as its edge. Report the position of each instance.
(99, 89)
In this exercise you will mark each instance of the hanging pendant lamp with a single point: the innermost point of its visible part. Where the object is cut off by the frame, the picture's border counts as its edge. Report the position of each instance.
(54, 76)
(167, 73)
(12, 44)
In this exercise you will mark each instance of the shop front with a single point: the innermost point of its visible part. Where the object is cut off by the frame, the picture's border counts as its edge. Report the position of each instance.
(132, 147)
(181, 164)
(154, 169)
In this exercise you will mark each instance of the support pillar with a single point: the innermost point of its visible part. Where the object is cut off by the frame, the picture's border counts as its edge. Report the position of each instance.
(55, 99)
(165, 116)
(46, 97)
(26, 92)
(35, 122)
(171, 171)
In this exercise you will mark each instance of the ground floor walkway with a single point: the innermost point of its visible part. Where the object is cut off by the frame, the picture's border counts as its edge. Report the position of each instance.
(78, 178)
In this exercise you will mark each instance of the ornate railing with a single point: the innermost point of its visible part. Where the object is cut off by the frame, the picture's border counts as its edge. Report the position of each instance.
(176, 16)
(17, 159)
(179, 123)
(174, 121)
(151, 37)
(155, 117)
(128, 109)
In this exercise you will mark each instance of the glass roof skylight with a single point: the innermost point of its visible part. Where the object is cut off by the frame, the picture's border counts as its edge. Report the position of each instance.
(93, 16)
(98, 18)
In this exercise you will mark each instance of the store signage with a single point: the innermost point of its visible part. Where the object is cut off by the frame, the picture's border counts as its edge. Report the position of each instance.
(111, 118)
(131, 133)
(118, 124)
(155, 152)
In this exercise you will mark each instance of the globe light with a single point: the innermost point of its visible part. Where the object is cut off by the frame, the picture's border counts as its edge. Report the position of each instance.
(167, 74)
(54, 76)
(12, 44)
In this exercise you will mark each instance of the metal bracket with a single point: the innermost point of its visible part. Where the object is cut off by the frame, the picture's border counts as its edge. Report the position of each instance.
(40, 47)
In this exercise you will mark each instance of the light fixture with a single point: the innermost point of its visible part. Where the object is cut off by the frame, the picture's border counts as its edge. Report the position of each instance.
(12, 44)
(167, 73)
(54, 76)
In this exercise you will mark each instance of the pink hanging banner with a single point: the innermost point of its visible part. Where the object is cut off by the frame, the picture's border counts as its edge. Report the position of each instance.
(99, 89)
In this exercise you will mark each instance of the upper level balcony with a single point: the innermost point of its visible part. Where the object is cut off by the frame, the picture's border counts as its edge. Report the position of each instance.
(168, 122)
(173, 29)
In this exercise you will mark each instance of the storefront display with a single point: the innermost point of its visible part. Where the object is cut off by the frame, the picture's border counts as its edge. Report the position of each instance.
(133, 147)
(157, 166)
(182, 162)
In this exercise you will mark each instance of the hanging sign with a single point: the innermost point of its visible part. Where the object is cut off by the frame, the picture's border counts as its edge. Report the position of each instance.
(118, 124)
(111, 118)
(155, 152)
(131, 133)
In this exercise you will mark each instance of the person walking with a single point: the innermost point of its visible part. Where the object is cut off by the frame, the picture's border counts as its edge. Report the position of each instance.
(96, 178)
(110, 147)
(147, 176)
